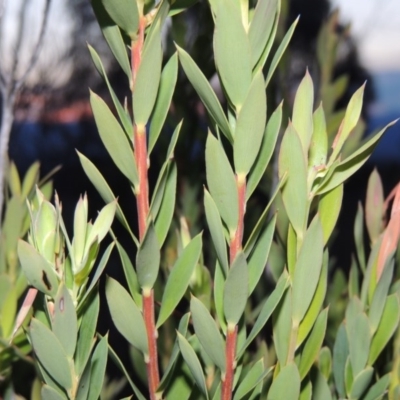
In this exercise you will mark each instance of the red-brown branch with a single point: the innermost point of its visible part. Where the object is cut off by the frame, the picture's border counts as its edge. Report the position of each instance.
(230, 352)
(153, 375)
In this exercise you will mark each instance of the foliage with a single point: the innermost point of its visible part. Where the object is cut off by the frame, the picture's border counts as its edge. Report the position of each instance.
(206, 340)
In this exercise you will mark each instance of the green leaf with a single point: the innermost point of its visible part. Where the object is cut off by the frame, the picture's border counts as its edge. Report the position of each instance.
(205, 92)
(130, 276)
(193, 363)
(349, 122)
(98, 365)
(320, 387)
(13, 180)
(313, 344)
(38, 271)
(294, 192)
(250, 126)
(351, 164)
(266, 151)
(361, 382)
(46, 346)
(148, 259)
(8, 311)
(167, 207)
(102, 187)
(307, 270)
(378, 390)
(49, 393)
(325, 362)
(216, 230)
(379, 298)
(250, 380)
(207, 333)
(319, 141)
(316, 303)
(179, 278)
(219, 282)
(169, 369)
(30, 180)
(221, 182)
(279, 52)
(148, 76)
(359, 337)
(167, 85)
(125, 15)
(127, 375)
(329, 207)
(114, 139)
(87, 332)
(266, 311)
(261, 27)
(65, 324)
(340, 355)
(387, 327)
(258, 259)
(282, 327)
(374, 206)
(126, 315)
(113, 36)
(236, 290)
(280, 389)
(303, 112)
(232, 52)
(122, 114)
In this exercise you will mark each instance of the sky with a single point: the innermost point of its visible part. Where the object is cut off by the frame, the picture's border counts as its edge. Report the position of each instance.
(376, 29)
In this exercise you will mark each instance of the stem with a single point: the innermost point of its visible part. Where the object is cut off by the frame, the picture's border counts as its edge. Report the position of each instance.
(230, 352)
(152, 362)
(142, 203)
(231, 333)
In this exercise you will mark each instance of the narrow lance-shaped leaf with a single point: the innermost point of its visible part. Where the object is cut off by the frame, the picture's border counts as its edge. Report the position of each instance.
(294, 192)
(250, 126)
(163, 101)
(232, 52)
(148, 77)
(148, 259)
(114, 139)
(98, 363)
(179, 278)
(205, 92)
(221, 182)
(236, 290)
(374, 206)
(319, 141)
(207, 332)
(303, 112)
(129, 324)
(281, 389)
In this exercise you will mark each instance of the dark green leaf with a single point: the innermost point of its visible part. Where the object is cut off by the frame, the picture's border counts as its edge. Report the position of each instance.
(207, 332)
(250, 126)
(232, 52)
(193, 363)
(148, 259)
(205, 92)
(266, 151)
(98, 364)
(307, 270)
(65, 324)
(37, 269)
(46, 346)
(236, 290)
(266, 311)
(163, 101)
(179, 278)
(216, 230)
(148, 76)
(281, 389)
(114, 139)
(125, 14)
(126, 315)
(250, 380)
(221, 182)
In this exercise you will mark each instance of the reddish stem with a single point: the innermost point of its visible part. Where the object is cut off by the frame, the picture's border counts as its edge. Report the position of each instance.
(230, 352)
(142, 202)
(152, 362)
(231, 335)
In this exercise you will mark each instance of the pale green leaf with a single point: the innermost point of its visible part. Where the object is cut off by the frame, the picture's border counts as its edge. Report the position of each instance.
(281, 389)
(125, 14)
